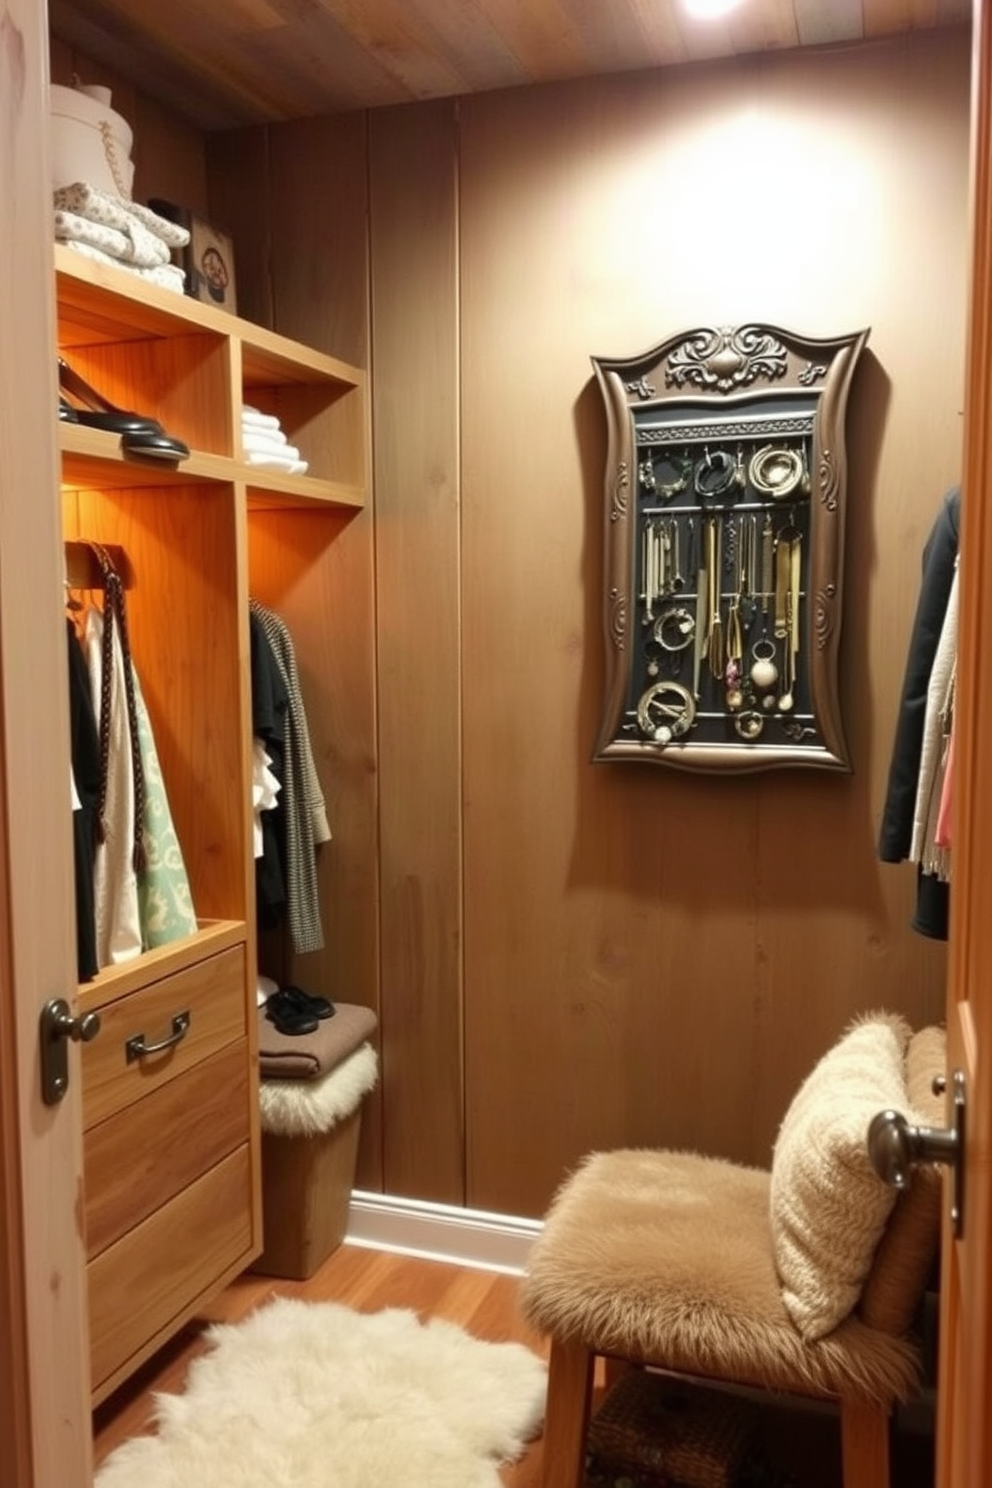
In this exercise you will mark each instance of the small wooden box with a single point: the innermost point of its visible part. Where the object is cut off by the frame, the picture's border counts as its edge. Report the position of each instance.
(306, 1190)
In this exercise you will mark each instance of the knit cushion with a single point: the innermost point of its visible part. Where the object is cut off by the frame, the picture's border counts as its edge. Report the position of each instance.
(828, 1206)
(907, 1250)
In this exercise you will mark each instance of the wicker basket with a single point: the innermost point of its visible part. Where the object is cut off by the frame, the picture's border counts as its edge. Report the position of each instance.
(659, 1429)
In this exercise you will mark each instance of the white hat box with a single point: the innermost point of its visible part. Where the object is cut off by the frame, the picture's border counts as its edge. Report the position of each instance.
(90, 142)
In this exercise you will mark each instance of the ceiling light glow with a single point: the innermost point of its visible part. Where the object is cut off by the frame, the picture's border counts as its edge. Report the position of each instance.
(709, 10)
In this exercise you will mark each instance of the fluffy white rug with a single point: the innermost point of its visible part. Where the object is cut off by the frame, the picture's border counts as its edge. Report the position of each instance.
(314, 1395)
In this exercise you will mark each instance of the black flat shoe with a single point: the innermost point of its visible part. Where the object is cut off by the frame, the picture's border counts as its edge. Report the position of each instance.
(309, 1002)
(140, 435)
(154, 444)
(288, 1016)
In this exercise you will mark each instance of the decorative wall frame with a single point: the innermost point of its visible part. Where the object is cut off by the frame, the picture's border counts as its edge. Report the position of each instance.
(725, 501)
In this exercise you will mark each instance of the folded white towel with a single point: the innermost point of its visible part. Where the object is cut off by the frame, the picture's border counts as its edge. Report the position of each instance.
(264, 439)
(253, 418)
(169, 276)
(278, 462)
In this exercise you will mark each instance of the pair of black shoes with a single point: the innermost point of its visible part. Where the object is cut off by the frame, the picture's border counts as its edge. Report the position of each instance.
(140, 435)
(294, 1011)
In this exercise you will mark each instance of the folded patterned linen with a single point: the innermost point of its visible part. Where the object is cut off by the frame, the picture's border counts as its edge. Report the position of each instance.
(168, 276)
(133, 244)
(116, 211)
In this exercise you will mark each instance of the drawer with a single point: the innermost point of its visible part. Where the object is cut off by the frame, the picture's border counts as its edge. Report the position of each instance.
(213, 994)
(140, 1158)
(150, 1279)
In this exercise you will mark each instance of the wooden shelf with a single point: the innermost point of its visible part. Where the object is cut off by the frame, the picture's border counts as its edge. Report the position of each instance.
(93, 459)
(98, 302)
(193, 366)
(270, 491)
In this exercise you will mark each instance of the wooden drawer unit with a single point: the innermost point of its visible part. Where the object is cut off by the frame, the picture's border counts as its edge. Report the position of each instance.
(211, 993)
(146, 1154)
(160, 1270)
(170, 1156)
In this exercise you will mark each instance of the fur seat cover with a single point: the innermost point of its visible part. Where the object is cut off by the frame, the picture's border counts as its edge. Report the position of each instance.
(666, 1257)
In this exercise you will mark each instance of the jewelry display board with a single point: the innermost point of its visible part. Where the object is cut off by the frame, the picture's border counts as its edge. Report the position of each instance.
(725, 501)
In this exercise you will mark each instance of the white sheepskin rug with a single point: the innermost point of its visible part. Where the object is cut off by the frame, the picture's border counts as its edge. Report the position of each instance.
(315, 1395)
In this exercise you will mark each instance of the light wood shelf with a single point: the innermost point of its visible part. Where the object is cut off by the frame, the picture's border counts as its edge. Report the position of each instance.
(192, 366)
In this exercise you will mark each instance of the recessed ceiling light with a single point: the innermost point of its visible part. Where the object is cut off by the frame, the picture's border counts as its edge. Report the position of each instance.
(709, 10)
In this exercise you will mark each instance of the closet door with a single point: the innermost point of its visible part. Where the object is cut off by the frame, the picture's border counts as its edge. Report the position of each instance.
(964, 1431)
(44, 1405)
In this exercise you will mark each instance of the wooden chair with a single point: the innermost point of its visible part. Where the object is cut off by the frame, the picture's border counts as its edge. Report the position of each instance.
(669, 1259)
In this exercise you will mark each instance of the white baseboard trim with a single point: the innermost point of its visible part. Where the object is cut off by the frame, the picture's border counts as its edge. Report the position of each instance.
(440, 1232)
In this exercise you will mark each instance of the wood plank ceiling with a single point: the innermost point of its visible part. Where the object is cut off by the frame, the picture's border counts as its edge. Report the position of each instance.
(224, 63)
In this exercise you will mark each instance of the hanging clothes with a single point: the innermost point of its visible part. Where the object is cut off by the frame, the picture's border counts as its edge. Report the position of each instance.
(899, 814)
(141, 893)
(302, 801)
(165, 901)
(936, 739)
(118, 924)
(85, 748)
(269, 707)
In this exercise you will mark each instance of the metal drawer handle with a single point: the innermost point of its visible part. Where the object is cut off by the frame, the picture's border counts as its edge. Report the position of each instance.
(136, 1048)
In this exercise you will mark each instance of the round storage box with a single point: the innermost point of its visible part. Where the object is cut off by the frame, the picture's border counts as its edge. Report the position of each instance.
(90, 142)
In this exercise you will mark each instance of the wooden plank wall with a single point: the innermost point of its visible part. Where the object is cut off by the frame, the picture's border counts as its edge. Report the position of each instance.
(413, 176)
(295, 199)
(567, 956)
(651, 957)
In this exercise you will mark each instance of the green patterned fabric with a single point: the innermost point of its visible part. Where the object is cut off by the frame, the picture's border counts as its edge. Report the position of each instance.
(165, 903)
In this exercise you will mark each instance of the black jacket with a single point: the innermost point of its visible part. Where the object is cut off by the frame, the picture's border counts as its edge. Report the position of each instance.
(896, 833)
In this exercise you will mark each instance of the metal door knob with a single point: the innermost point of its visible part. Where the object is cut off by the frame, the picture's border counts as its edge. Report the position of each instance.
(894, 1147)
(80, 1030)
(58, 1027)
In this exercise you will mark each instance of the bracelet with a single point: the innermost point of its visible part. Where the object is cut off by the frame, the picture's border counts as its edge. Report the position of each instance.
(749, 725)
(681, 467)
(715, 474)
(674, 628)
(776, 471)
(666, 712)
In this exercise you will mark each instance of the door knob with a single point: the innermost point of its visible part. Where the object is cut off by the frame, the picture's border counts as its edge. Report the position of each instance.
(894, 1146)
(57, 1027)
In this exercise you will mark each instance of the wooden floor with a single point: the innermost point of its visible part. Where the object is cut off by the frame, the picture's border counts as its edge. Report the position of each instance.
(801, 1446)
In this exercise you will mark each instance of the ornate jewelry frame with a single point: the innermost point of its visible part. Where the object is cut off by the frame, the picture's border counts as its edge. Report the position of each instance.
(702, 402)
